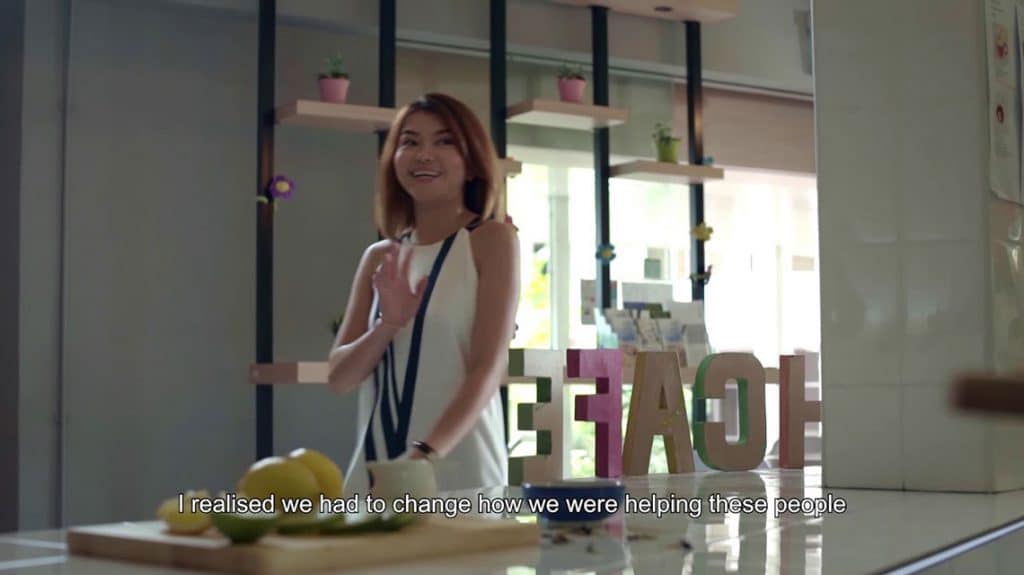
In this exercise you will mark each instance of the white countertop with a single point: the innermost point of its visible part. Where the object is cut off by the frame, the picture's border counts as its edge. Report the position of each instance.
(879, 530)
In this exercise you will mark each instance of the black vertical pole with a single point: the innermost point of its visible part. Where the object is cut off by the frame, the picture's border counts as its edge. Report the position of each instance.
(498, 77)
(695, 129)
(498, 105)
(602, 152)
(386, 54)
(13, 65)
(265, 226)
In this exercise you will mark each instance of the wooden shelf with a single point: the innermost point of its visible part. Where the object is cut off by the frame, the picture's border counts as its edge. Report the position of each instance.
(569, 115)
(291, 372)
(347, 117)
(510, 166)
(705, 11)
(666, 173)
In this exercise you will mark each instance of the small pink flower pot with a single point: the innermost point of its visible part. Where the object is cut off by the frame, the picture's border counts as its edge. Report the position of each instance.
(334, 90)
(571, 89)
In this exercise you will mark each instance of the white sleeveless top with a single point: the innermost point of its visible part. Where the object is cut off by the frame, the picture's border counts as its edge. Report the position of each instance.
(480, 459)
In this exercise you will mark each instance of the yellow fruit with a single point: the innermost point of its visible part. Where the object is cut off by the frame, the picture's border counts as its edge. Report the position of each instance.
(186, 523)
(327, 473)
(281, 477)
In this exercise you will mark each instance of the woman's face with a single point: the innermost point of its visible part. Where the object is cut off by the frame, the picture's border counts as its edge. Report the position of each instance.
(427, 160)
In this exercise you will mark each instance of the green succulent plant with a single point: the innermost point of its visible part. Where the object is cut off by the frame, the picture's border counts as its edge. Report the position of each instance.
(663, 133)
(571, 71)
(335, 67)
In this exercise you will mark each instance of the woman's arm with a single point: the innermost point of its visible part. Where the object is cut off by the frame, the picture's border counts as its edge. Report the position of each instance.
(357, 350)
(496, 253)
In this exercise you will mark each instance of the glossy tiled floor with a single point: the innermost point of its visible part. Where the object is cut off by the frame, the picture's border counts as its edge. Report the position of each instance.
(879, 530)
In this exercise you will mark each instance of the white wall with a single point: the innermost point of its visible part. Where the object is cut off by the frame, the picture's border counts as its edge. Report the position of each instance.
(159, 324)
(904, 206)
(159, 256)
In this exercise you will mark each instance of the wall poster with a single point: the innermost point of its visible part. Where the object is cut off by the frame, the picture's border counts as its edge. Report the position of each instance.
(1003, 36)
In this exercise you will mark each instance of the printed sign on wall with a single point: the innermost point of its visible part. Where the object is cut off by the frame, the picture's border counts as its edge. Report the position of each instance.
(1003, 38)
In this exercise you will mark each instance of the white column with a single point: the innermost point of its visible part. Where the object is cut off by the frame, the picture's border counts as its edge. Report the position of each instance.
(561, 314)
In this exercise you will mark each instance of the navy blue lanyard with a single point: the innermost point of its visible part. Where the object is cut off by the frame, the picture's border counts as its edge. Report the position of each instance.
(396, 436)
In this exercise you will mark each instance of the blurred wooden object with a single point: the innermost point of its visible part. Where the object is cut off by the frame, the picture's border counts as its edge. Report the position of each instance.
(604, 408)
(990, 393)
(795, 410)
(709, 436)
(547, 416)
(656, 407)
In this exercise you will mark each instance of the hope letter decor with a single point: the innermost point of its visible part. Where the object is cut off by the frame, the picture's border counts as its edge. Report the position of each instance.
(603, 408)
(547, 416)
(796, 410)
(709, 436)
(657, 407)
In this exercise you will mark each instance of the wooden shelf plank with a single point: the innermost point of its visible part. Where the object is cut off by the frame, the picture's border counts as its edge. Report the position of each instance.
(706, 11)
(510, 166)
(665, 172)
(569, 115)
(291, 372)
(347, 117)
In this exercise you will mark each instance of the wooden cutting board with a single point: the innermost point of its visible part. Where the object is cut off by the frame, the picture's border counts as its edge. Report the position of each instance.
(432, 537)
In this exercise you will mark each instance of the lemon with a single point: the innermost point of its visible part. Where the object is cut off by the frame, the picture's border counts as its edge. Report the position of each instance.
(328, 474)
(244, 527)
(283, 478)
(186, 523)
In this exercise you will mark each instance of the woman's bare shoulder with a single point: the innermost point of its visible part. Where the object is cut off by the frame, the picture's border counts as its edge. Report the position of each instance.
(494, 236)
(375, 252)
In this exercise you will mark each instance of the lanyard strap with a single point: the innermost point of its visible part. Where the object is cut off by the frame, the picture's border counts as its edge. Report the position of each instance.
(396, 436)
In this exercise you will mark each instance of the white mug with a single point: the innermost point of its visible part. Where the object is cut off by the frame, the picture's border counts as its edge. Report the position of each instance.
(390, 480)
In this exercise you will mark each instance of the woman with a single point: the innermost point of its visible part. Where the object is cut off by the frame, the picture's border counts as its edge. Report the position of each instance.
(432, 307)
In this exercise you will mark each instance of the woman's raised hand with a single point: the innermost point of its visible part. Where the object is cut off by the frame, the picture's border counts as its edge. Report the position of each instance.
(397, 303)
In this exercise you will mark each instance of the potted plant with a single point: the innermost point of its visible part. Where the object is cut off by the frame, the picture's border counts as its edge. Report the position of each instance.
(571, 83)
(334, 82)
(665, 144)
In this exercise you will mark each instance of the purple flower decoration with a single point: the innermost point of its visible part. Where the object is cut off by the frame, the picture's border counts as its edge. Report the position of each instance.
(280, 187)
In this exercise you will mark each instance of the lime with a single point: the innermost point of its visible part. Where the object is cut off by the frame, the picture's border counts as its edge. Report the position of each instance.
(306, 524)
(376, 523)
(244, 527)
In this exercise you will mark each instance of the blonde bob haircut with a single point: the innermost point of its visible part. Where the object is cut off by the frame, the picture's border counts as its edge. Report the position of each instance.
(393, 210)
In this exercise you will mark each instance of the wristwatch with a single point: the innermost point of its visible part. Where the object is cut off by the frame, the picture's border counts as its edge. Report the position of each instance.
(423, 447)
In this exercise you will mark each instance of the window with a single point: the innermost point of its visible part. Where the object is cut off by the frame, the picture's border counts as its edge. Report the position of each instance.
(528, 200)
(763, 294)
